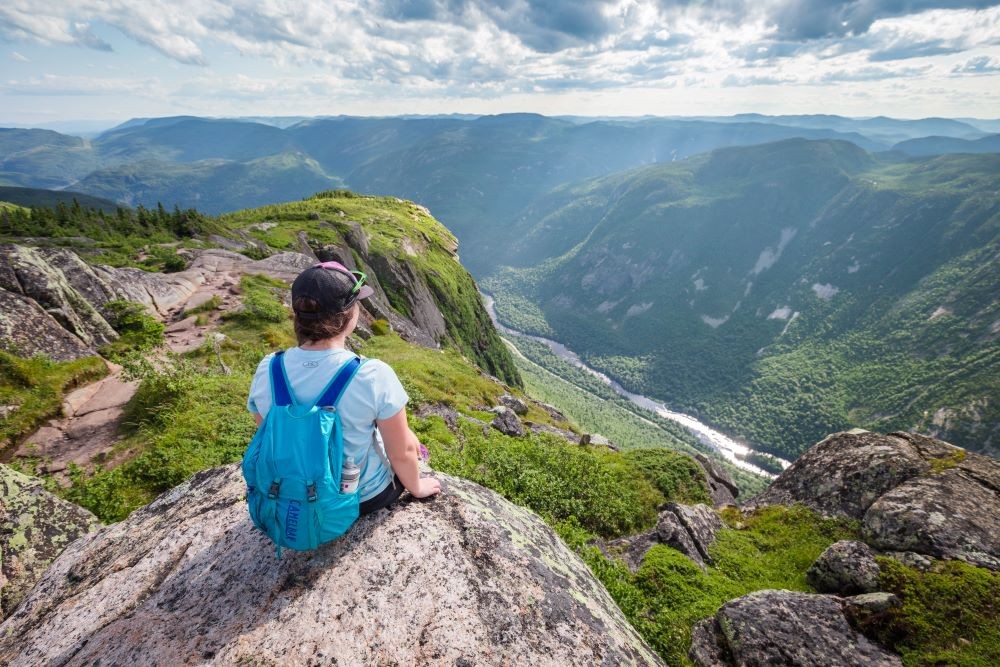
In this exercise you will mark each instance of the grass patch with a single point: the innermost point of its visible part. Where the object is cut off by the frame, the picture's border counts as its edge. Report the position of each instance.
(949, 615)
(37, 386)
(262, 304)
(596, 490)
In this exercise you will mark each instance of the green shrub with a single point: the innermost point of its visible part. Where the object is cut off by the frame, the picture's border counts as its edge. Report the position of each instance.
(138, 330)
(771, 548)
(677, 476)
(380, 328)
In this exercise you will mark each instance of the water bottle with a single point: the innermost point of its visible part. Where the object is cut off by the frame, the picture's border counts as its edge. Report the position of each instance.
(349, 476)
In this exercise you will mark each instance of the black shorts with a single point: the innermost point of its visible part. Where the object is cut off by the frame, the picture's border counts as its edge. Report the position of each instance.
(386, 497)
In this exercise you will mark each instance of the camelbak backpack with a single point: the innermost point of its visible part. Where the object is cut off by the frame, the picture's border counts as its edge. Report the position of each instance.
(292, 466)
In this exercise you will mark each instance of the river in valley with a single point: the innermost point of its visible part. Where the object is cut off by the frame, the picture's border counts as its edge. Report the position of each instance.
(729, 448)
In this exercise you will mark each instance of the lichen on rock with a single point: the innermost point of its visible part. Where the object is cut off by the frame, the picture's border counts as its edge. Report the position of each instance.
(35, 526)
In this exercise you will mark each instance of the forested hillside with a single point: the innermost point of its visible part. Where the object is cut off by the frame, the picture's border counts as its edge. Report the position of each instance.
(782, 291)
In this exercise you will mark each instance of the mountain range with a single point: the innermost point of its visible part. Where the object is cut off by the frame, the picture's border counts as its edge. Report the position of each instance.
(779, 276)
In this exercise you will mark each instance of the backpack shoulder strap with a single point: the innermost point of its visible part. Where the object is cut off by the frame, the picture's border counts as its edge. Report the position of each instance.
(280, 393)
(331, 395)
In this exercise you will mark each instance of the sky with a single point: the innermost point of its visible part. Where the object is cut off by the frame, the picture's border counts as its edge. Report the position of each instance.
(110, 60)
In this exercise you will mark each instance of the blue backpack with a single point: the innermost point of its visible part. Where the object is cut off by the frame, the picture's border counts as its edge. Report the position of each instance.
(292, 466)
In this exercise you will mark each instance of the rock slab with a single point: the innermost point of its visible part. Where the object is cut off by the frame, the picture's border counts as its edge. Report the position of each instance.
(774, 627)
(35, 526)
(464, 578)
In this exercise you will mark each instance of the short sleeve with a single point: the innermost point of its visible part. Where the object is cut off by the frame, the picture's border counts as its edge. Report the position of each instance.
(390, 397)
(260, 385)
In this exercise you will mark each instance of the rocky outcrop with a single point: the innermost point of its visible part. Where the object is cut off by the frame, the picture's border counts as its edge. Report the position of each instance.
(35, 526)
(465, 578)
(507, 422)
(784, 628)
(26, 329)
(910, 492)
(720, 485)
(846, 567)
(691, 529)
(519, 407)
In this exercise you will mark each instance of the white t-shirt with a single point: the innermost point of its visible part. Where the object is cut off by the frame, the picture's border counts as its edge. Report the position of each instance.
(374, 393)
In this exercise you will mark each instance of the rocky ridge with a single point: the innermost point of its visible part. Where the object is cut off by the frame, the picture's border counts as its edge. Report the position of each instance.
(189, 579)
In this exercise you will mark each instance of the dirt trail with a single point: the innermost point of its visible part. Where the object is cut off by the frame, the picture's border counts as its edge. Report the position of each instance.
(88, 431)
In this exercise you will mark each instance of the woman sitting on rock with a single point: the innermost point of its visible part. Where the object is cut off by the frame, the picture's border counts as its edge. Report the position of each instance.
(325, 299)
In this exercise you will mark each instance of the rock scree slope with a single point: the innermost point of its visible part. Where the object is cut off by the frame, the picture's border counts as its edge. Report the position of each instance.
(466, 578)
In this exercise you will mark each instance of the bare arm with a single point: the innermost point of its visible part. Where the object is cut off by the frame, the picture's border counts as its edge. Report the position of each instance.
(401, 446)
(257, 418)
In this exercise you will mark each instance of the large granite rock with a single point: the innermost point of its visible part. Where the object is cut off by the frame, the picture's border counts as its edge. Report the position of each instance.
(466, 578)
(35, 526)
(691, 529)
(784, 628)
(910, 492)
(846, 567)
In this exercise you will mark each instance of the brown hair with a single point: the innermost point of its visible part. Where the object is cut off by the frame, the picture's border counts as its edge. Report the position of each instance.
(326, 325)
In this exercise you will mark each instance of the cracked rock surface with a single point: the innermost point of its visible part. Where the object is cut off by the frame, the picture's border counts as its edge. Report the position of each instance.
(464, 578)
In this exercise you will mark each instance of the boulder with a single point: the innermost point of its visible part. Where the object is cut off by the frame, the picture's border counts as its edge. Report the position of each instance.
(34, 273)
(846, 568)
(845, 473)
(514, 403)
(720, 485)
(784, 628)
(35, 526)
(691, 529)
(597, 440)
(507, 422)
(465, 578)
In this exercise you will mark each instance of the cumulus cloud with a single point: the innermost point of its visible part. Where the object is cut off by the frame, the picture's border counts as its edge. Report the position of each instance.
(493, 47)
(18, 57)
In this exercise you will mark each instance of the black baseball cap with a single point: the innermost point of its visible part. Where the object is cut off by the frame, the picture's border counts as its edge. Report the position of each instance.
(332, 285)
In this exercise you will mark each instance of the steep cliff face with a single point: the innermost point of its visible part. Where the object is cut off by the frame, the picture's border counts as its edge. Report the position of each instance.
(466, 578)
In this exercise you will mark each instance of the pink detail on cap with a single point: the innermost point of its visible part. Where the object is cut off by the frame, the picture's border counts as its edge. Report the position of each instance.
(336, 266)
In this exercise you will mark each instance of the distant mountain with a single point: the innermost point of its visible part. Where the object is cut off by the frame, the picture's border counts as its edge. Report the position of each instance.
(945, 145)
(879, 128)
(476, 173)
(210, 185)
(29, 197)
(782, 291)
